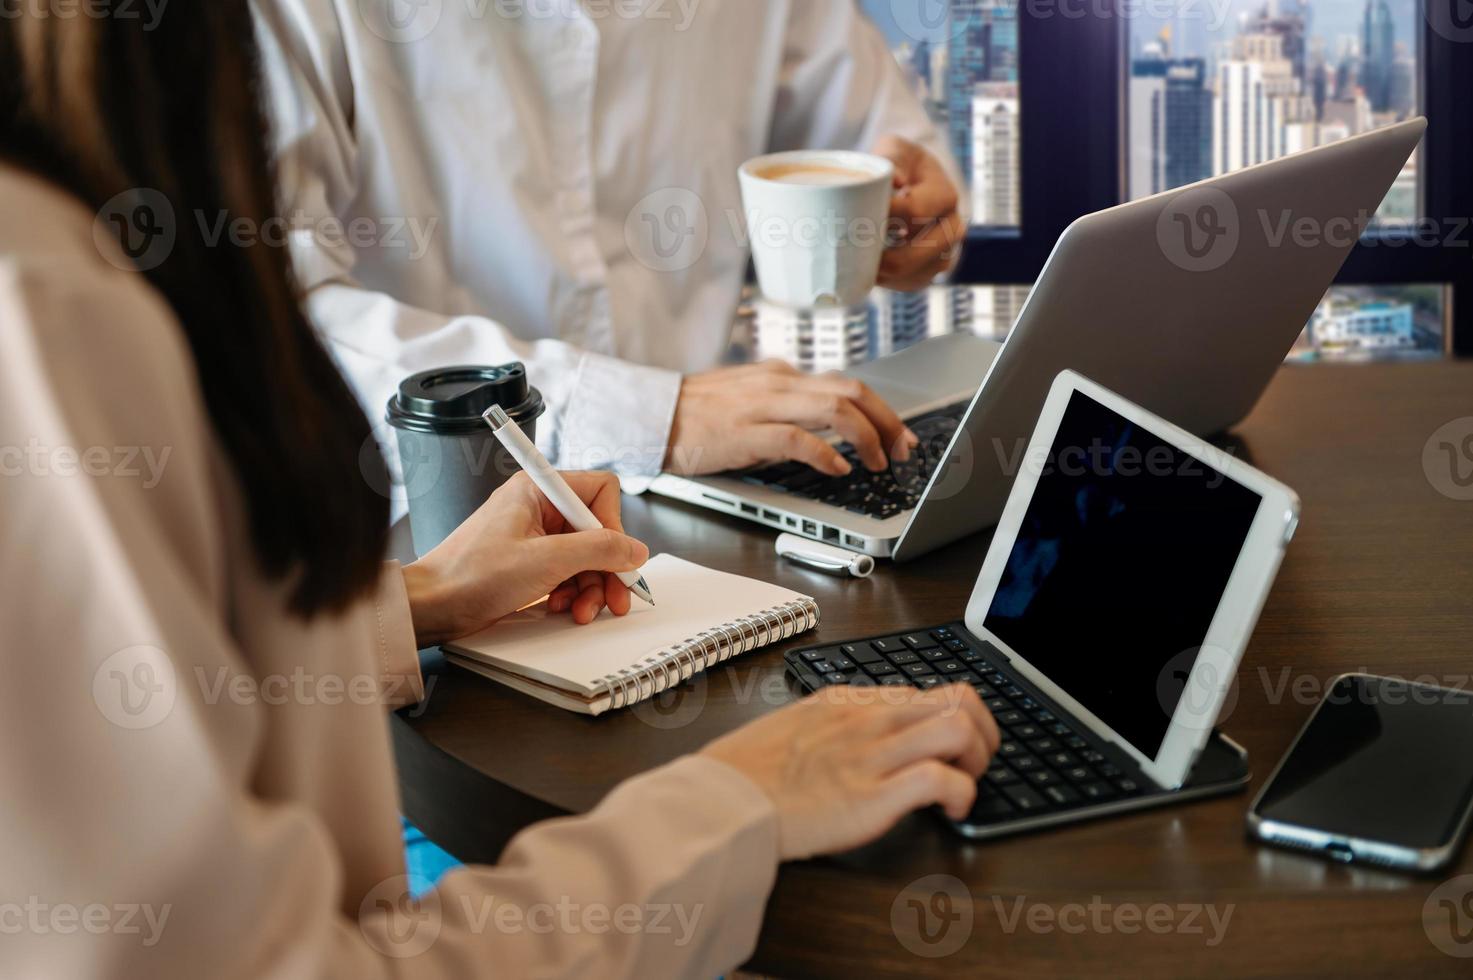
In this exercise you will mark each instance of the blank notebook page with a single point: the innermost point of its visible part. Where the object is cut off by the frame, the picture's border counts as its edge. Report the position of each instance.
(690, 600)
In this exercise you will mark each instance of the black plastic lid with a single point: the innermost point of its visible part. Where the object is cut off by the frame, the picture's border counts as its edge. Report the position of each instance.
(453, 399)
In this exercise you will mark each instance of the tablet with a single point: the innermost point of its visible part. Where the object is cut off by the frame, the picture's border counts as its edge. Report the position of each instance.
(1128, 571)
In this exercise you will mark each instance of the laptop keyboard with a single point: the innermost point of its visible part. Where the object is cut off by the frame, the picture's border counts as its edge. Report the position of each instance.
(1046, 763)
(877, 495)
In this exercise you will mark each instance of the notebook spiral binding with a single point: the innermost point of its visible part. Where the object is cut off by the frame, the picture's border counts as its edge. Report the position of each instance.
(684, 660)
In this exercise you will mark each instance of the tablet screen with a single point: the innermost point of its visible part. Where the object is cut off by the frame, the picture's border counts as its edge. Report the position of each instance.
(1118, 568)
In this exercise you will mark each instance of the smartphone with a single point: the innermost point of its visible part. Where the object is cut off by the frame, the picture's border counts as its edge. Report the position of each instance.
(1381, 773)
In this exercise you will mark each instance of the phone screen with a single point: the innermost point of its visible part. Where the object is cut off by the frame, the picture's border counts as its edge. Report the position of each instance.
(1383, 760)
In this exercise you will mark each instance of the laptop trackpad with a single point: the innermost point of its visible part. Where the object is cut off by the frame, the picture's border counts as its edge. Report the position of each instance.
(949, 367)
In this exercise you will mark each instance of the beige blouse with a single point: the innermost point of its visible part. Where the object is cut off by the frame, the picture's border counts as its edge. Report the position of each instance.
(197, 784)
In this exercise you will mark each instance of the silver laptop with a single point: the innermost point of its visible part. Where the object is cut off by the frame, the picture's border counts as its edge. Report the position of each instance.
(1185, 302)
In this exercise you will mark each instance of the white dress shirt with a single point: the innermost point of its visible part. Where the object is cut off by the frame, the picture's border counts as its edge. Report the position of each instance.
(553, 181)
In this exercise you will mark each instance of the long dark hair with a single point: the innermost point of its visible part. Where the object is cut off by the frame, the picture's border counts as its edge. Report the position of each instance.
(110, 105)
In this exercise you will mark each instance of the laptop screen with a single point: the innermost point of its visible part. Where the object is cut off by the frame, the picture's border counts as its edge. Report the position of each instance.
(1118, 568)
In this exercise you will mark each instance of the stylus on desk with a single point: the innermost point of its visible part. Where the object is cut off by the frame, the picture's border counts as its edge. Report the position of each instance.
(554, 487)
(824, 557)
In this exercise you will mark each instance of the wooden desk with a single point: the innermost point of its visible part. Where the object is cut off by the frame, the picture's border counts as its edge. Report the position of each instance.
(1380, 577)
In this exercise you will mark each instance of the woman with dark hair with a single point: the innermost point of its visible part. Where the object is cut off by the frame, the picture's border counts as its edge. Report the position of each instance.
(203, 639)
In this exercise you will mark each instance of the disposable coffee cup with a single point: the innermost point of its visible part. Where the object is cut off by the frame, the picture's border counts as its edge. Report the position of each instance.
(451, 461)
(816, 220)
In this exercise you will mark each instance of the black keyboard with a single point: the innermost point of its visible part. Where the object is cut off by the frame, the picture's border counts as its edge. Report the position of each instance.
(1046, 763)
(878, 495)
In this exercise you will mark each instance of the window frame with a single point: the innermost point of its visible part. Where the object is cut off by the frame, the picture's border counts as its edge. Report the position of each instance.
(1072, 160)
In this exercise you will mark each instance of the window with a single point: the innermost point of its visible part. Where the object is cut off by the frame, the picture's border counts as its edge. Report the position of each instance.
(1212, 88)
(961, 59)
(1058, 108)
(1358, 323)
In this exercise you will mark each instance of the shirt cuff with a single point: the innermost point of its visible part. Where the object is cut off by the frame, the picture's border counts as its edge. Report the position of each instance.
(619, 419)
(400, 680)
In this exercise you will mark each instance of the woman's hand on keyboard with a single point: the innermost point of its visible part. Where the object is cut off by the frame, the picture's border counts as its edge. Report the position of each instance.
(845, 764)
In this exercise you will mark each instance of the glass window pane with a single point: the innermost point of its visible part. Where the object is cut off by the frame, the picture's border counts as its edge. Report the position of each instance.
(961, 59)
(831, 339)
(1356, 323)
(1215, 87)
(1352, 323)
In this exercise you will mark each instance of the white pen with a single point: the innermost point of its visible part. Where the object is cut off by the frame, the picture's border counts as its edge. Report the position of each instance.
(554, 487)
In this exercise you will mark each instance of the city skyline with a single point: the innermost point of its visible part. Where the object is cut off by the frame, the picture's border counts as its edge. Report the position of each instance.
(1332, 19)
(1238, 83)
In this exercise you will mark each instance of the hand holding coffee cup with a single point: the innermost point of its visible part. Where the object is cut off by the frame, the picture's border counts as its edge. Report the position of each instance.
(925, 213)
(817, 223)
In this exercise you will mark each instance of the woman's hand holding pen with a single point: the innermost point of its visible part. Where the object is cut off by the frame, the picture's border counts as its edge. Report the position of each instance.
(516, 549)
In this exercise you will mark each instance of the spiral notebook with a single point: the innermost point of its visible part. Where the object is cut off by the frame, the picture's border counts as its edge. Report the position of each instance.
(703, 618)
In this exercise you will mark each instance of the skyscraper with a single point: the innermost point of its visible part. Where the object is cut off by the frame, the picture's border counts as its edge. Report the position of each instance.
(995, 309)
(920, 61)
(1378, 54)
(1403, 86)
(1256, 98)
(897, 320)
(822, 339)
(982, 46)
(1289, 20)
(995, 140)
(1170, 123)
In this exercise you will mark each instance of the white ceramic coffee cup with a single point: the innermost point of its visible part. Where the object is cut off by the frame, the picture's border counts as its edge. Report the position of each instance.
(821, 243)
